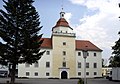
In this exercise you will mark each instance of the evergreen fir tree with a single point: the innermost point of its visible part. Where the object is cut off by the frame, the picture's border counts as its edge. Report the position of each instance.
(19, 28)
(115, 62)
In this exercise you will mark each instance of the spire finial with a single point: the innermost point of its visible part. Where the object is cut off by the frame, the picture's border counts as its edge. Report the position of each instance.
(62, 5)
(62, 11)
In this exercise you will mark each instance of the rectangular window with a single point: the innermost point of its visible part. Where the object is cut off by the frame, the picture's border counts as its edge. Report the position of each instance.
(110, 72)
(95, 65)
(79, 53)
(27, 74)
(79, 73)
(95, 73)
(95, 54)
(47, 52)
(36, 64)
(47, 64)
(87, 65)
(64, 43)
(64, 64)
(87, 73)
(64, 53)
(36, 73)
(47, 74)
(27, 65)
(79, 64)
(87, 54)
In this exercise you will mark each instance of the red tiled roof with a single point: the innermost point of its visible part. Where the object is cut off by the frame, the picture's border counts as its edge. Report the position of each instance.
(47, 43)
(86, 45)
(62, 22)
(80, 45)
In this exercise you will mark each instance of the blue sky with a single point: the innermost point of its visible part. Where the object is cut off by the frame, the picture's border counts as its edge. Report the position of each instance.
(93, 20)
(49, 13)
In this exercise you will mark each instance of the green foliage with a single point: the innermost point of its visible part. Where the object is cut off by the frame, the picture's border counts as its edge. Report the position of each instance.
(19, 27)
(80, 81)
(116, 48)
(115, 61)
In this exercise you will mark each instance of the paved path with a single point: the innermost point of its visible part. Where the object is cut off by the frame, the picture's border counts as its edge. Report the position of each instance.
(59, 81)
(101, 81)
(43, 81)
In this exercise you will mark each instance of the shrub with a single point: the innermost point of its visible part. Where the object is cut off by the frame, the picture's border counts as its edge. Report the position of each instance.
(80, 81)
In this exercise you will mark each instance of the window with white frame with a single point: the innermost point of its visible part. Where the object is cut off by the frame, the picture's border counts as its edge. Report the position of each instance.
(87, 65)
(95, 73)
(79, 73)
(95, 65)
(87, 54)
(47, 74)
(87, 73)
(27, 73)
(79, 64)
(36, 73)
(95, 54)
(79, 53)
(47, 64)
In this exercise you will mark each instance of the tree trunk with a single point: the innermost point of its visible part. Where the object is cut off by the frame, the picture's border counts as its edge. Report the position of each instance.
(13, 73)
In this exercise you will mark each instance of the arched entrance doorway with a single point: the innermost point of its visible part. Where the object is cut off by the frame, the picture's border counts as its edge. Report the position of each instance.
(64, 75)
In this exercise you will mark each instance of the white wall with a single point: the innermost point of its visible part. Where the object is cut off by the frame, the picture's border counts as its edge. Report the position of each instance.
(91, 59)
(63, 29)
(41, 69)
(48, 58)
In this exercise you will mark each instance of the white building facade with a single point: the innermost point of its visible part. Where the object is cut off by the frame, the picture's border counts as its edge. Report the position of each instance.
(64, 57)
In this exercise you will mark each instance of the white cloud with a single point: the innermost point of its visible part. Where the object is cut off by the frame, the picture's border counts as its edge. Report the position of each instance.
(78, 1)
(102, 27)
(68, 17)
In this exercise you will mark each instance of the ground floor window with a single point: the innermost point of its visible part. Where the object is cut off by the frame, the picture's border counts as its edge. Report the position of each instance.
(36, 73)
(79, 73)
(87, 73)
(47, 74)
(27, 73)
(95, 73)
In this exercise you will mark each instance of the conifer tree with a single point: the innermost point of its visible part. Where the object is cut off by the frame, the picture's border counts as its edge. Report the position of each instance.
(115, 62)
(19, 33)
